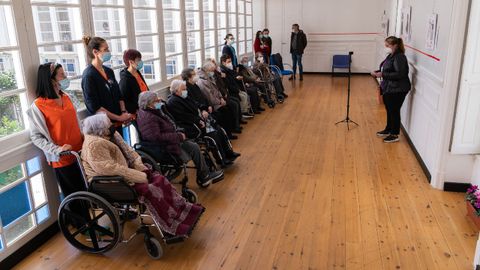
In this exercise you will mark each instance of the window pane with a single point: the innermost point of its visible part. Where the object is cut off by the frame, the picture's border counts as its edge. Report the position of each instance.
(7, 27)
(232, 20)
(15, 203)
(221, 36)
(232, 6)
(173, 43)
(248, 8)
(241, 6)
(117, 46)
(241, 20)
(55, 24)
(208, 5)
(171, 4)
(248, 21)
(144, 3)
(11, 175)
(38, 190)
(210, 53)
(249, 48)
(16, 231)
(10, 72)
(192, 5)
(107, 2)
(75, 93)
(221, 5)
(151, 72)
(241, 34)
(174, 66)
(193, 41)
(195, 60)
(209, 20)
(11, 116)
(241, 48)
(171, 21)
(71, 56)
(193, 20)
(42, 214)
(148, 46)
(57, 1)
(249, 33)
(221, 20)
(145, 21)
(109, 21)
(209, 38)
(33, 165)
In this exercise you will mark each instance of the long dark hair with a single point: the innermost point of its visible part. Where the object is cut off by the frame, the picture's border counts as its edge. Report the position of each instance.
(227, 37)
(258, 34)
(45, 76)
(393, 40)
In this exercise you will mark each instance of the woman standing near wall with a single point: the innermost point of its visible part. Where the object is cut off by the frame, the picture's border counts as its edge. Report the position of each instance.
(394, 86)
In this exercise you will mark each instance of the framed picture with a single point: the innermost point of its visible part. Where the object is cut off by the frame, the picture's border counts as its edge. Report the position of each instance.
(385, 24)
(406, 24)
(432, 32)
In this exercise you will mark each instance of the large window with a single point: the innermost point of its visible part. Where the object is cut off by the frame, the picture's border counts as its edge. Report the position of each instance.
(172, 25)
(194, 37)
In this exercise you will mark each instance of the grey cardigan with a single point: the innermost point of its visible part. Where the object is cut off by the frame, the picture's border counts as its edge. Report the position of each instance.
(40, 135)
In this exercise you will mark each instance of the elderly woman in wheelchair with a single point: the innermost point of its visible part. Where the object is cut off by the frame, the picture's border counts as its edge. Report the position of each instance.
(155, 125)
(128, 183)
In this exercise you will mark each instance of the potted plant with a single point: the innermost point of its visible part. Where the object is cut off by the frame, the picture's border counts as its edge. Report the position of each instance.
(473, 204)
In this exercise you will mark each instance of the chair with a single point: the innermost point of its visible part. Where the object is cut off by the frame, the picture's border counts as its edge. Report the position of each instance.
(340, 61)
(278, 66)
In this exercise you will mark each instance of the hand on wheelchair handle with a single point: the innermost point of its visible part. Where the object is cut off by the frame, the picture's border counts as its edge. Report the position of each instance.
(66, 147)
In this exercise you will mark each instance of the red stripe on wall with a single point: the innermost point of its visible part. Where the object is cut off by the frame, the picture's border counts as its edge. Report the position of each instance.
(424, 53)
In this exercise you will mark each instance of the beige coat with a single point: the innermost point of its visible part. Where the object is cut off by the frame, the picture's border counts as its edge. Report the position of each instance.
(101, 157)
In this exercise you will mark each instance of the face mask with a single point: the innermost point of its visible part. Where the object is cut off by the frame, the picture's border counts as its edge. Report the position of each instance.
(229, 66)
(388, 50)
(232, 41)
(140, 65)
(260, 59)
(211, 74)
(64, 84)
(265, 36)
(261, 36)
(158, 106)
(195, 79)
(184, 94)
(106, 57)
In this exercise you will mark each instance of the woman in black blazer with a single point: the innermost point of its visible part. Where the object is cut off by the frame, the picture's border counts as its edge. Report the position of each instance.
(132, 82)
(394, 86)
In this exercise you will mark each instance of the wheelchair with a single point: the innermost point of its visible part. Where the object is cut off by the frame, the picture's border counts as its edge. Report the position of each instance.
(270, 93)
(111, 201)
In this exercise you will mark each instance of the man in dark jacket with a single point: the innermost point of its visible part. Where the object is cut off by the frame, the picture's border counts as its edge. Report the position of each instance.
(298, 43)
(187, 115)
(156, 126)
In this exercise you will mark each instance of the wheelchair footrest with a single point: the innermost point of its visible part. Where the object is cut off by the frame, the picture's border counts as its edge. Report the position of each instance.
(171, 239)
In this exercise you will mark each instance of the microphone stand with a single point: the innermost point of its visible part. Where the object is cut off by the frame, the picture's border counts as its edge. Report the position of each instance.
(347, 119)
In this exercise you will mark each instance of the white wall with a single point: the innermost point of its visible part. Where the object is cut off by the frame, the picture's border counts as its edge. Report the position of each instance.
(427, 114)
(323, 21)
(259, 16)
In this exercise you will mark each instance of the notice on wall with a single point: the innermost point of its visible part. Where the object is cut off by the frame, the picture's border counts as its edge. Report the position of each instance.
(406, 24)
(432, 32)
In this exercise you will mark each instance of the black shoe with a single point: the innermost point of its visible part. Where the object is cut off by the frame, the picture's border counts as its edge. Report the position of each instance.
(257, 112)
(226, 163)
(261, 109)
(215, 176)
(243, 122)
(391, 139)
(238, 131)
(233, 156)
(247, 115)
(232, 137)
(384, 133)
(285, 95)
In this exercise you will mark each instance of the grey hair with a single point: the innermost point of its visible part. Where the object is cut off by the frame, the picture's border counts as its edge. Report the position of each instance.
(175, 85)
(208, 65)
(146, 98)
(97, 125)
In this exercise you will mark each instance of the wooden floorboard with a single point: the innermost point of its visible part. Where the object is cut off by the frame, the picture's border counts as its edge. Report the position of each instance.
(308, 194)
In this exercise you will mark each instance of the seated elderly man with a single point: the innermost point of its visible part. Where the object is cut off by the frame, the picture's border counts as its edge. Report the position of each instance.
(156, 126)
(104, 153)
(197, 124)
(252, 83)
(263, 70)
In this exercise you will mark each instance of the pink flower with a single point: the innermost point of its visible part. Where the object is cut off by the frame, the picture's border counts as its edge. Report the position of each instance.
(477, 205)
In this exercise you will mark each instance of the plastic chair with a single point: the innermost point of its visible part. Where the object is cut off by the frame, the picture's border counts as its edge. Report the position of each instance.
(340, 61)
(278, 66)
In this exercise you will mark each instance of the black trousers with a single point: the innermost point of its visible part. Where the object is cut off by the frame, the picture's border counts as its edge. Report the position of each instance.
(233, 104)
(252, 92)
(393, 103)
(70, 180)
(226, 118)
(222, 143)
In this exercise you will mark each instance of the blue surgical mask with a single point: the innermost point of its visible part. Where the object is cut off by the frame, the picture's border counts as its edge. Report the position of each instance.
(158, 105)
(184, 94)
(211, 74)
(106, 56)
(140, 65)
(64, 84)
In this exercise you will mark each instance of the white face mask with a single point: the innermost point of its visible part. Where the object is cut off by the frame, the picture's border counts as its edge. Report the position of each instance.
(184, 94)
(195, 79)
(229, 66)
(260, 59)
(388, 50)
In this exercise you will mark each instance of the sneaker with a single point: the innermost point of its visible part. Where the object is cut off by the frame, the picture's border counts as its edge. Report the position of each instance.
(247, 116)
(391, 139)
(215, 176)
(384, 133)
(285, 95)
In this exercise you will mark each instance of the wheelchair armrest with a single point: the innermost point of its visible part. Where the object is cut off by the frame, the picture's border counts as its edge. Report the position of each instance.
(108, 179)
(113, 189)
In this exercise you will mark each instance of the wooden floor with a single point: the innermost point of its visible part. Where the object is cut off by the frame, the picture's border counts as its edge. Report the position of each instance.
(307, 194)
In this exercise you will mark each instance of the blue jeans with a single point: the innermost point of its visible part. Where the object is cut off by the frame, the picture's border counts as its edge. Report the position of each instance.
(297, 58)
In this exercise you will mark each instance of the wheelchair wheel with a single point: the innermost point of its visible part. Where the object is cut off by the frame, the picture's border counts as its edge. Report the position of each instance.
(147, 159)
(153, 247)
(280, 99)
(190, 195)
(88, 235)
(209, 161)
(271, 105)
